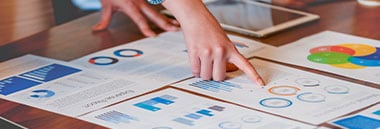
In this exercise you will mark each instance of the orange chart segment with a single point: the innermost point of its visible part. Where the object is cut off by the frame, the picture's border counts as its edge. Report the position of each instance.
(283, 90)
(360, 49)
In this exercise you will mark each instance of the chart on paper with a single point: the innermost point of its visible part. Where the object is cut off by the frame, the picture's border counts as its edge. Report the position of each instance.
(289, 92)
(65, 89)
(151, 58)
(333, 52)
(174, 109)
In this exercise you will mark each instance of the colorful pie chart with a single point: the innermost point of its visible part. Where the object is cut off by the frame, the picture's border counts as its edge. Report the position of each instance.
(346, 56)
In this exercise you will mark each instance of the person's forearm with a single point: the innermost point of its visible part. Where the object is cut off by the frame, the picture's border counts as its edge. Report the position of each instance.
(191, 13)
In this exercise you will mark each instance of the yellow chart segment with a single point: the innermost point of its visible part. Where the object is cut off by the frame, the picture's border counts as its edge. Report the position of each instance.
(360, 49)
(348, 66)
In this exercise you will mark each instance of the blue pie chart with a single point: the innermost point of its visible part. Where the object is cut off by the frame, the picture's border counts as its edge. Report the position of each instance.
(42, 94)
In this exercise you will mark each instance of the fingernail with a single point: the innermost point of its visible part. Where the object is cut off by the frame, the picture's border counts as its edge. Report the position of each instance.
(261, 82)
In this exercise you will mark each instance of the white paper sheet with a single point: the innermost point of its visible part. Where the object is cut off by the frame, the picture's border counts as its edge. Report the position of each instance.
(174, 109)
(333, 52)
(62, 88)
(289, 92)
(163, 59)
(366, 119)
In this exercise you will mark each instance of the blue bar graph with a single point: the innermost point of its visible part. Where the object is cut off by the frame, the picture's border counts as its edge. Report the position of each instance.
(50, 72)
(184, 121)
(150, 104)
(215, 86)
(196, 116)
(13, 84)
(116, 117)
(193, 116)
(359, 122)
(205, 112)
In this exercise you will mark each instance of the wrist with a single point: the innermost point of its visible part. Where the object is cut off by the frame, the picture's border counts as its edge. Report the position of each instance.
(191, 13)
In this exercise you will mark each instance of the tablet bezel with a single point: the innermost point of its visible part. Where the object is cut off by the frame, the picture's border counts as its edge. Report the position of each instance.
(307, 17)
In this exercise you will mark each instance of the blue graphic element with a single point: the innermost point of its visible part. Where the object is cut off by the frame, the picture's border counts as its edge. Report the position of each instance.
(215, 86)
(184, 121)
(149, 104)
(198, 115)
(205, 112)
(373, 56)
(311, 97)
(119, 53)
(359, 122)
(14, 84)
(193, 116)
(364, 62)
(50, 72)
(42, 94)
(276, 103)
(377, 112)
(116, 117)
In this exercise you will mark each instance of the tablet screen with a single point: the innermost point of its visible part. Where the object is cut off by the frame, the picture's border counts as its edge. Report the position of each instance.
(249, 16)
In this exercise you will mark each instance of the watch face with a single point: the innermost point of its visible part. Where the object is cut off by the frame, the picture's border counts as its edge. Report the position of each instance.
(155, 2)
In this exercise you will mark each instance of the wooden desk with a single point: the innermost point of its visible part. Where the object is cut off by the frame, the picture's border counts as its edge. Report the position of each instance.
(75, 39)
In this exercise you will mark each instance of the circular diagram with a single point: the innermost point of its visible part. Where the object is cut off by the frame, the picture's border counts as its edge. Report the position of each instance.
(128, 53)
(229, 125)
(336, 89)
(347, 56)
(42, 94)
(103, 60)
(308, 82)
(276, 103)
(251, 119)
(311, 97)
(283, 90)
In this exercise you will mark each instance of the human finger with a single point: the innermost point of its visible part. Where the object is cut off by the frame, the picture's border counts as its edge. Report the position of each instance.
(206, 64)
(162, 21)
(135, 14)
(219, 65)
(247, 68)
(195, 64)
(106, 15)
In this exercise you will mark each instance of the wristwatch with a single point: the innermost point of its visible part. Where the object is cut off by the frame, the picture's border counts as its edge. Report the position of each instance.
(155, 2)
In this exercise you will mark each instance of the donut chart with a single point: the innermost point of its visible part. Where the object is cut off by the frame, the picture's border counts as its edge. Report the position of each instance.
(103, 60)
(337, 89)
(283, 90)
(276, 102)
(311, 97)
(251, 119)
(346, 56)
(128, 53)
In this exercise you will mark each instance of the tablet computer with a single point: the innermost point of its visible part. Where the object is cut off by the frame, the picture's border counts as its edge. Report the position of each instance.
(254, 18)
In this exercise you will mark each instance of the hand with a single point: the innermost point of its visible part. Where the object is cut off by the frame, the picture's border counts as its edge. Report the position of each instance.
(293, 3)
(209, 48)
(139, 11)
